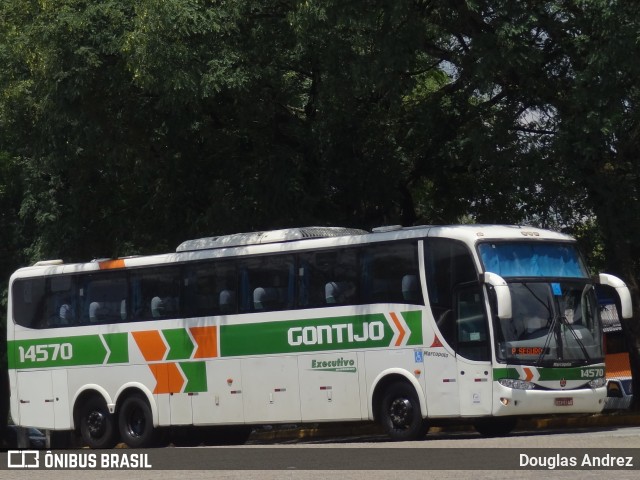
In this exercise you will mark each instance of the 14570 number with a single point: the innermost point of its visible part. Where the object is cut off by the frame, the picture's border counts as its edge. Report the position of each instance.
(44, 353)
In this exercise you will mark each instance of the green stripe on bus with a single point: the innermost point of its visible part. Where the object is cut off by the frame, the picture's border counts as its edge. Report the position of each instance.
(376, 330)
(414, 322)
(118, 343)
(196, 373)
(57, 352)
(180, 344)
(339, 333)
(545, 374)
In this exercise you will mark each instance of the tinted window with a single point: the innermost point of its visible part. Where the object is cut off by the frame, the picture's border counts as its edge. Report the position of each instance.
(62, 304)
(103, 298)
(390, 274)
(329, 278)
(155, 293)
(211, 289)
(448, 264)
(28, 299)
(267, 283)
(472, 338)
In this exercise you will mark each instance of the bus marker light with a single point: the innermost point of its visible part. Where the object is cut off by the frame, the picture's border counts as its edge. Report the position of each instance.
(504, 401)
(417, 372)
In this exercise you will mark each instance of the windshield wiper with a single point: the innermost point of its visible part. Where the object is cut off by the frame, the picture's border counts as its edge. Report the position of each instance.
(563, 320)
(547, 340)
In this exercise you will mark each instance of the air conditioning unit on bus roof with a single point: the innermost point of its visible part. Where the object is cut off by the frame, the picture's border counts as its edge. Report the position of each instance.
(271, 236)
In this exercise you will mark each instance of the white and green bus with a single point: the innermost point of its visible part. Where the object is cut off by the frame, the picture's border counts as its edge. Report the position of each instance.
(403, 326)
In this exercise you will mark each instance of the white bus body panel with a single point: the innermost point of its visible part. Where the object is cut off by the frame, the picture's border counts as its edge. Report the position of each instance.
(271, 389)
(330, 386)
(223, 403)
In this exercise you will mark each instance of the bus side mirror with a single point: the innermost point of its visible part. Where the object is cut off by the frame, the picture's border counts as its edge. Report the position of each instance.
(503, 294)
(621, 289)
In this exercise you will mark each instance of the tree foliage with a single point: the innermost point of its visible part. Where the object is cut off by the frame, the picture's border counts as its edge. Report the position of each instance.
(129, 126)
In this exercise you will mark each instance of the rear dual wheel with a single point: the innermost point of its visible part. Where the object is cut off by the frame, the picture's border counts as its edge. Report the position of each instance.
(135, 422)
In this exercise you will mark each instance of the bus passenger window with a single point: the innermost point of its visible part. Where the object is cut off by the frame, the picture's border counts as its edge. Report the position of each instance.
(61, 302)
(338, 293)
(156, 293)
(28, 297)
(101, 298)
(328, 278)
(227, 301)
(267, 283)
(389, 273)
(210, 289)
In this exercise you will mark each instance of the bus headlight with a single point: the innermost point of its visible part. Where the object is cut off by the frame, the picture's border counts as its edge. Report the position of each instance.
(597, 383)
(516, 384)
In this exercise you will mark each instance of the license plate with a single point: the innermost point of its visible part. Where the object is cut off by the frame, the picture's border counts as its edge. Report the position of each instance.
(564, 402)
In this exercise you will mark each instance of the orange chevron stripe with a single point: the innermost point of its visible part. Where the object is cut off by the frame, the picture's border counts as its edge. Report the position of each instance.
(395, 319)
(529, 374)
(207, 341)
(168, 378)
(150, 344)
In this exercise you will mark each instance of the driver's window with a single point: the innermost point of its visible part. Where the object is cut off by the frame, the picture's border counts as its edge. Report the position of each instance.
(448, 265)
(471, 324)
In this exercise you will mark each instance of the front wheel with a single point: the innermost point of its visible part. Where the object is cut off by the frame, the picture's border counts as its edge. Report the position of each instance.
(97, 425)
(135, 422)
(400, 414)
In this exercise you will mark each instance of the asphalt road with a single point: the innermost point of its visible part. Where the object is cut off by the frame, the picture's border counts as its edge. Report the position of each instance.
(372, 457)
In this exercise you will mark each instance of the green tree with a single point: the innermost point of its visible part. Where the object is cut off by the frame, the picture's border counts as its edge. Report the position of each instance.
(132, 125)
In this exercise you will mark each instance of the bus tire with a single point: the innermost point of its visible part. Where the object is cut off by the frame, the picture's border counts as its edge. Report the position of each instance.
(97, 426)
(135, 422)
(400, 414)
(495, 426)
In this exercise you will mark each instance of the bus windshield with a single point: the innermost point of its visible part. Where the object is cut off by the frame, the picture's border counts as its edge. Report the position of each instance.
(554, 310)
(552, 324)
(528, 259)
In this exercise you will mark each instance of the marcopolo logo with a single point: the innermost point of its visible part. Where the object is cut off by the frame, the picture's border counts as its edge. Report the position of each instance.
(340, 333)
(338, 365)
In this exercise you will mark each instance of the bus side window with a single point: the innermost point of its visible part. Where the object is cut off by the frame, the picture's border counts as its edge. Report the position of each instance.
(156, 293)
(329, 278)
(448, 264)
(267, 283)
(28, 298)
(210, 289)
(101, 298)
(389, 274)
(61, 302)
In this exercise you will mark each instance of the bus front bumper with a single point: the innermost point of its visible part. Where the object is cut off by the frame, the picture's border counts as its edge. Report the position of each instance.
(509, 401)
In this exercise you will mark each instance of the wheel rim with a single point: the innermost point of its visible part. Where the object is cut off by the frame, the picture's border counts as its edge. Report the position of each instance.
(136, 422)
(400, 413)
(96, 423)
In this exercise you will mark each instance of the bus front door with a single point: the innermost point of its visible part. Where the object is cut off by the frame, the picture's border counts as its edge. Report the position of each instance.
(473, 352)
